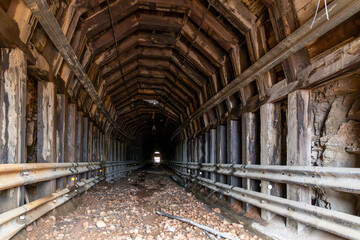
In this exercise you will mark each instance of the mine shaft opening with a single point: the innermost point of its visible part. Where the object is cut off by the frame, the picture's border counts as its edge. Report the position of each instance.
(179, 119)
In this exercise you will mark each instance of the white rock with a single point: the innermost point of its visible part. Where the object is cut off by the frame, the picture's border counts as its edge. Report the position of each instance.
(170, 229)
(100, 224)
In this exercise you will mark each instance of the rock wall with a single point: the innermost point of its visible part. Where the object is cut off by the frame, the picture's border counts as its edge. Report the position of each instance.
(336, 137)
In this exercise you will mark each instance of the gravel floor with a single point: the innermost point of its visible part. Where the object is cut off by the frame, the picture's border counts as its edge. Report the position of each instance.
(127, 210)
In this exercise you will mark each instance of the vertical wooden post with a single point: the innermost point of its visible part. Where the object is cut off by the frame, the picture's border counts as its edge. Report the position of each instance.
(46, 132)
(90, 142)
(185, 156)
(201, 152)
(94, 148)
(85, 136)
(122, 151)
(115, 150)
(98, 142)
(84, 148)
(206, 151)
(270, 148)
(79, 139)
(221, 149)
(102, 150)
(110, 150)
(221, 152)
(190, 157)
(61, 113)
(195, 149)
(233, 149)
(248, 150)
(90, 145)
(213, 151)
(13, 77)
(71, 139)
(298, 145)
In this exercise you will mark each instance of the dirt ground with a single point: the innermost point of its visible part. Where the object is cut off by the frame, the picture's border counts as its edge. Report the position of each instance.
(127, 210)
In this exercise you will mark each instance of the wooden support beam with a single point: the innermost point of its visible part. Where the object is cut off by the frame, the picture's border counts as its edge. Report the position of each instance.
(221, 151)
(85, 142)
(270, 148)
(94, 139)
(206, 151)
(46, 132)
(284, 20)
(248, 140)
(13, 78)
(294, 42)
(213, 147)
(90, 142)
(79, 137)
(233, 149)
(299, 145)
(98, 142)
(257, 47)
(71, 139)
(225, 38)
(205, 45)
(42, 11)
(61, 115)
(236, 13)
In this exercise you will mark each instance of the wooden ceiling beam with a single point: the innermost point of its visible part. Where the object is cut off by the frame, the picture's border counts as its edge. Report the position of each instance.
(236, 13)
(146, 72)
(213, 27)
(284, 21)
(120, 9)
(138, 39)
(339, 11)
(133, 23)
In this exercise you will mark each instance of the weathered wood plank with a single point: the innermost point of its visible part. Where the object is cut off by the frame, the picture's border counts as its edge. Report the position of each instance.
(248, 128)
(299, 144)
(61, 114)
(236, 13)
(70, 151)
(212, 156)
(46, 132)
(284, 21)
(221, 151)
(233, 149)
(79, 135)
(270, 148)
(13, 80)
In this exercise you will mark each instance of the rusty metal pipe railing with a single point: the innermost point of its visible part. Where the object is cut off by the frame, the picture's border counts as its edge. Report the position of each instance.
(14, 175)
(338, 223)
(11, 222)
(339, 179)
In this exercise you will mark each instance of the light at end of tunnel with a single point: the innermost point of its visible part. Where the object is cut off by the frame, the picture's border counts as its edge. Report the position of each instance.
(156, 159)
(157, 152)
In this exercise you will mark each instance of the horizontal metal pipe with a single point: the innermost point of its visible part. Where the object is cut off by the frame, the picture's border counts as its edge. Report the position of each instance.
(107, 164)
(5, 168)
(338, 223)
(16, 219)
(14, 175)
(339, 179)
(114, 174)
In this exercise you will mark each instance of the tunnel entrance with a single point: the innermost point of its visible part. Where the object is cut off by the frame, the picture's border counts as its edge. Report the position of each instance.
(153, 114)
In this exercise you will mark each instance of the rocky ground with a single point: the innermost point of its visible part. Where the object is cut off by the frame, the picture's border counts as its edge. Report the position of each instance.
(127, 210)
